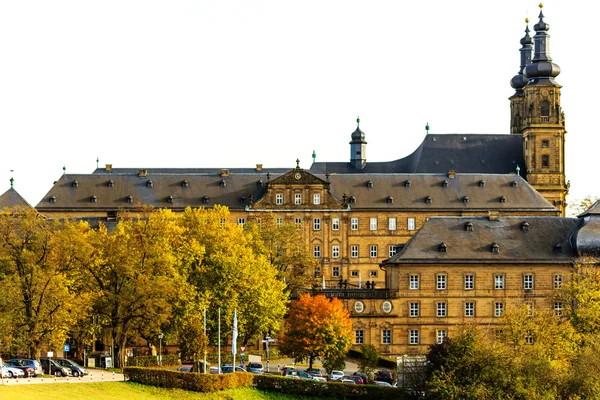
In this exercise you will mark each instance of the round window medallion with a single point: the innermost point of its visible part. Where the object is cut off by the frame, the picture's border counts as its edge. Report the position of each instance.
(386, 307)
(297, 176)
(359, 307)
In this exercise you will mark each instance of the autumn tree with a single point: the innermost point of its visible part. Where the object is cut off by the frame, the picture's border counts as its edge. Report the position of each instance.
(40, 264)
(578, 206)
(369, 359)
(317, 327)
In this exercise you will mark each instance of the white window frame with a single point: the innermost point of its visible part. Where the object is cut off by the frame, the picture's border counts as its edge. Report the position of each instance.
(278, 222)
(317, 251)
(441, 282)
(557, 281)
(359, 336)
(528, 282)
(354, 273)
(335, 251)
(558, 308)
(441, 335)
(373, 223)
(335, 224)
(498, 309)
(386, 336)
(222, 222)
(298, 222)
(442, 309)
(372, 274)
(354, 224)
(499, 282)
(335, 271)
(241, 222)
(392, 251)
(392, 223)
(316, 224)
(469, 309)
(469, 282)
(414, 311)
(279, 198)
(373, 251)
(411, 224)
(316, 198)
(413, 337)
(354, 251)
(297, 198)
(413, 282)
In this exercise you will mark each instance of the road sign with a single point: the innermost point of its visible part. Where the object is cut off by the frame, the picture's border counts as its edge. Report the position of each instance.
(50, 354)
(268, 341)
(242, 348)
(66, 348)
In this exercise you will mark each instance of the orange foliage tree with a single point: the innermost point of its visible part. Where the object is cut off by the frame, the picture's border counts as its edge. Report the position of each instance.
(316, 327)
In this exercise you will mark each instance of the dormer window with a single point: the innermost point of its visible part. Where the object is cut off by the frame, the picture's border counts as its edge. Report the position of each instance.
(469, 226)
(443, 248)
(52, 199)
(185, 183)
(243, 199)
(150, 184)
(514, 184)
(524, 226)
(110, 183)
(170, 199)
(205, 199)
(93, 199)
(428, 200)
(129, 199)
(259, 183)
(481, 183)
(465, 199)
(223, 183)
(502, 199)
(390, 200)
(370, 184)
(352, 199)
(558, 248)
(495, 248)
(75, 184)
(445, 183)
(407, 183)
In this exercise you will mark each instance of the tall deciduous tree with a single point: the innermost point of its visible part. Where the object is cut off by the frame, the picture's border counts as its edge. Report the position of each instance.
(317, 327)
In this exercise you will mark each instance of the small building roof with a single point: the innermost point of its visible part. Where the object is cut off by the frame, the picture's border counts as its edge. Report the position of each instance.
(12, 198)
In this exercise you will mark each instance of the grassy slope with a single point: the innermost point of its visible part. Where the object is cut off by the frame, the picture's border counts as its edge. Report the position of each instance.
(128, 391)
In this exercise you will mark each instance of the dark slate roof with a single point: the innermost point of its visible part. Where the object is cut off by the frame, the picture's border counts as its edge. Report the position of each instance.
(547, 239)
(484, 192)
(593, 210)
(12, 198)
(472, 153)
(588, 237)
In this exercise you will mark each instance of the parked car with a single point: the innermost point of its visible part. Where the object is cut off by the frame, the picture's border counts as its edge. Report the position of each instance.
(297, 375)
(185, 368)
(357, 379)
(363, 376)
(55, 368)
(256, 368)
(227, 369)
(11, 372)
(336, 375)
(76, 369)
(30, 367)
(384, 376)
(319, 378)
(349, 381)
(382, 383)
(314, 372)
(287, 368)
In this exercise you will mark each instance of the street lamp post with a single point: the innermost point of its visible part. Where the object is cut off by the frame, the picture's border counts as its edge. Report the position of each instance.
(160, 337)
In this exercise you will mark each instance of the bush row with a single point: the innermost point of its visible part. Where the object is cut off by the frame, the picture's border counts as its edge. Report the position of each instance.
(186, 380)
(168, 360)
(326, 389)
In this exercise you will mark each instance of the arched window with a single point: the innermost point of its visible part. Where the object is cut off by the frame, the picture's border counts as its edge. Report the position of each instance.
(545, 108)
(545, 161)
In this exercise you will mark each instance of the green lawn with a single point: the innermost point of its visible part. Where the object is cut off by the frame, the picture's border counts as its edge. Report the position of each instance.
(128, 391)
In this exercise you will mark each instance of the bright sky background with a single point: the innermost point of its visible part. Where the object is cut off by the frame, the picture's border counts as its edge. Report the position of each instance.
(222, 84)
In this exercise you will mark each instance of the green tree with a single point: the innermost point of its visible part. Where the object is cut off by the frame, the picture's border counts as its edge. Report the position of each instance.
(317, 327)
(369, 359)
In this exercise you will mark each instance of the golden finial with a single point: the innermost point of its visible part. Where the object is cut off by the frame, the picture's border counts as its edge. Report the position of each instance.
(541, 5)
(526, 20)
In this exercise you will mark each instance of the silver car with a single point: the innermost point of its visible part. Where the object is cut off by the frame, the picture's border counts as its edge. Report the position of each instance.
(11, 372)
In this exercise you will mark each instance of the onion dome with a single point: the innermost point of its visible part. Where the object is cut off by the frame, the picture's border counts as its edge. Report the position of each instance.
(542, 70)
(587, 238)
(358, 136)
(519, 81)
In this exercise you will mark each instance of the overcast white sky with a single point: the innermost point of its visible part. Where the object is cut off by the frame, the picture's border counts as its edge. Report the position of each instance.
(234, 83)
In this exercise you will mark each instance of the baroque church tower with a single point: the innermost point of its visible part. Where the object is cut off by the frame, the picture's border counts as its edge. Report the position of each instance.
(537, 115)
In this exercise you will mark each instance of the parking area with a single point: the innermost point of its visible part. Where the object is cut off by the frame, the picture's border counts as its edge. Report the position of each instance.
(95, 375)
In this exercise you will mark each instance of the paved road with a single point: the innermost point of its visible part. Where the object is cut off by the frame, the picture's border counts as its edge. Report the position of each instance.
(96, 375)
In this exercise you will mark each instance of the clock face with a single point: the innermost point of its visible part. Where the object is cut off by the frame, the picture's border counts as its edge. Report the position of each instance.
(297, 176)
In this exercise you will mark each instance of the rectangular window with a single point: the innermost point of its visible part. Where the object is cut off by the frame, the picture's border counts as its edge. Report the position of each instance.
(498, 281)
(441, 282)
(298, 198)
(354, 273)
(392, 224)
(558, 280)
(335, 251)
(335, 224)
(354, 224)
(373, 251)
(317, 251)
(386, 336)
(558, 308)
(354, 251)
(316, 224)
(441, 335)
(298, 222)
(545, 143)
(222, 222)
(241, 221)
(411, 224)
(317, 272)
(360, 336)
(414, 336)
(414, 282)
(469, 282)
(530, 308)
(414, 310)
(316, 198)
(527, 282)
(373, 224)
(279, 198)
(278, 222)
(372, 274)
(498, 309)
(335, 271)
(469, 309)
(529, 338)
(441, 310)
(392, 251)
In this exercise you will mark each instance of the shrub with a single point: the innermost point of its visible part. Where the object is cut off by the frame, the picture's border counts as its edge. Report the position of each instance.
(187, 380)
(168, 360)
(335, 390)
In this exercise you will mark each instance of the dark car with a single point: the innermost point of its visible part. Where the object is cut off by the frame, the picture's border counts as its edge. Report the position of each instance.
(384, 376)
(76, 369)
(30, 367)
(357, 379)
(314, 372)
(55, 368)
(227, 369)
(363, 376)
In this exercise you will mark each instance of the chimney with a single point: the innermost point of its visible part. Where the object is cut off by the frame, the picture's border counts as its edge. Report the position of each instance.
(108, 167)
(143, 173)
(452, 174)
(224, 172)
(259, 167)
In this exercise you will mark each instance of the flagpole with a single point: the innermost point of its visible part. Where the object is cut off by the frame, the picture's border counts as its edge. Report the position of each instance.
(234, 335)
(219, 358)
(206, 344)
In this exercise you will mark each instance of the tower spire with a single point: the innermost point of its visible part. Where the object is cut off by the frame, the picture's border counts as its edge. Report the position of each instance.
(358, 148)
(519, 81)
(542, 70)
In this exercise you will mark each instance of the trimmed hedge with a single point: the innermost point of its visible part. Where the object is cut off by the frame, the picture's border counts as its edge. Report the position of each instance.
(332, 390)
(168, 360)
(187, 380)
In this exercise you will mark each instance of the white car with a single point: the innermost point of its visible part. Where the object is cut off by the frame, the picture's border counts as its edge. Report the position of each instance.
(319, 378)
(350, 381)
(382, 383)
(336, 375)
(11, 372)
